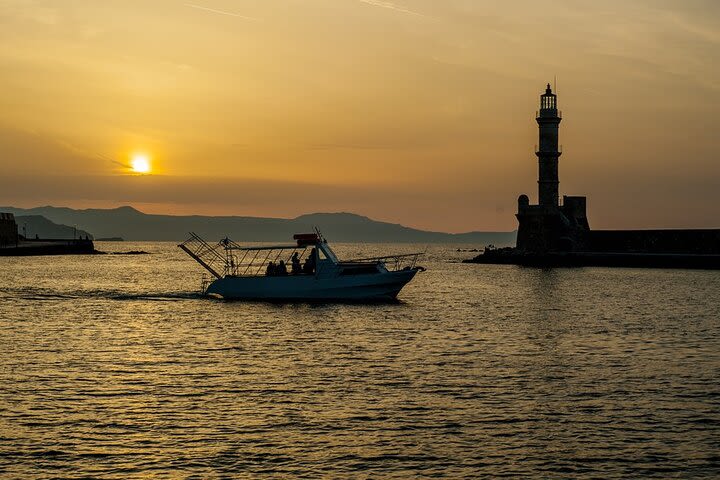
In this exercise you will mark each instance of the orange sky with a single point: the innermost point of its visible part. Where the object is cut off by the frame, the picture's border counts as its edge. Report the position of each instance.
(416, 111)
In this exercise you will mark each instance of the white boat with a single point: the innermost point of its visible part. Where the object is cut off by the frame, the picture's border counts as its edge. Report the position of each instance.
(305, 271)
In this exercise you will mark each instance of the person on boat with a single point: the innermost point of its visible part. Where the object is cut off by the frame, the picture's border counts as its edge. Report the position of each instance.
(270, 269)
(296, 267)
(281, 269)
(309, 266)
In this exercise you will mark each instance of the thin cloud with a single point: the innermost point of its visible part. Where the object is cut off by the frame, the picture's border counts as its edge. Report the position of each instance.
(391, 6)
(221, 12)
(341, 146)
(115, 162)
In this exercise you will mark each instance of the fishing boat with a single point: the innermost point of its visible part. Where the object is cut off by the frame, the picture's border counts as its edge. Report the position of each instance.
(307, 270)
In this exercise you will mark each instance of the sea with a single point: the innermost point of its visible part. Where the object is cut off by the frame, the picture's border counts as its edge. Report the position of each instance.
(114, 366)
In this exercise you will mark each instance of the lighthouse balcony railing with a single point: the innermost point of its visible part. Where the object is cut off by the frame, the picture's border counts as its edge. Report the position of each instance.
(559, 150)
(548, 113)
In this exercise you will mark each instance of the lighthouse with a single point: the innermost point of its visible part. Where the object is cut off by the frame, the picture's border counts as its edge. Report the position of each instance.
(548, 154)
(550, 225)
(556, 232)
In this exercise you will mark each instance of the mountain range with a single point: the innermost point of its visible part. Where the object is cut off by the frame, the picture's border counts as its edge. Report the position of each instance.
(133, 225)
(32, 226)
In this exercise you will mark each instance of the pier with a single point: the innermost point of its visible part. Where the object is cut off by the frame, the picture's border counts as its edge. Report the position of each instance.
(12, 244)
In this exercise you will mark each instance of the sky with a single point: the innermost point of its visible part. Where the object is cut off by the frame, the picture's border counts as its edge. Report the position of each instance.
(418, 112)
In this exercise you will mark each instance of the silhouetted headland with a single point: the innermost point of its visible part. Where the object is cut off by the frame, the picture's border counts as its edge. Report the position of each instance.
(557, 233)
(13, 244)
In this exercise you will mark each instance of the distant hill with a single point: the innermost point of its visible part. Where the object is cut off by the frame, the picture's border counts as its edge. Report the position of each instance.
(131, 224)
(37, 225)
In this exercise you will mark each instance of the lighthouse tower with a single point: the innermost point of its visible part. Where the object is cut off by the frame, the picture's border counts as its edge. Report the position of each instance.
(550, 225)
(548, 120)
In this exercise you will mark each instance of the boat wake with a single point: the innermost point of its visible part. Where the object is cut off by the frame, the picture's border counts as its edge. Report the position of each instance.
(38, 294)
(157, 297)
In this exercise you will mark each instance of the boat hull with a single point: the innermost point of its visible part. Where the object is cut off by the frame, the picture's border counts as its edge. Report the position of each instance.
(372, 287)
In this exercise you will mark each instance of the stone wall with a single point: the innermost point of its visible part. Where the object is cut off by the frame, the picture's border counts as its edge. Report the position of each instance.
(8, 230)
(655, 241)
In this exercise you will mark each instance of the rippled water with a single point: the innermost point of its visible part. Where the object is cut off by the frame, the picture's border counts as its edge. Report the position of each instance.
(112, 366)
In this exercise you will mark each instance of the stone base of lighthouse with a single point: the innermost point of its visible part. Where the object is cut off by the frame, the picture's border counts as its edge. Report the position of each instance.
(548, 228)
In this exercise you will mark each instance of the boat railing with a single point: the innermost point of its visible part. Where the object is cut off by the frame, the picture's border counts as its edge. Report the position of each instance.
(253, 262)
(211, 257)
(205, 284)
(227, 258)
(391, 262)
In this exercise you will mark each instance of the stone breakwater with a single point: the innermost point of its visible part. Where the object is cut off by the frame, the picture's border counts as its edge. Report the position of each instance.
(512, 256)
(26, 248)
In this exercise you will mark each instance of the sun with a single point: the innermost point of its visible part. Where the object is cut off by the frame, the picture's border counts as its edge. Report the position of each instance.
(140, 163)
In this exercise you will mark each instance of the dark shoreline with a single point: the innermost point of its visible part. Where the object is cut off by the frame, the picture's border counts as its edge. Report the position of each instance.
(598, 259)
(33, 248)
